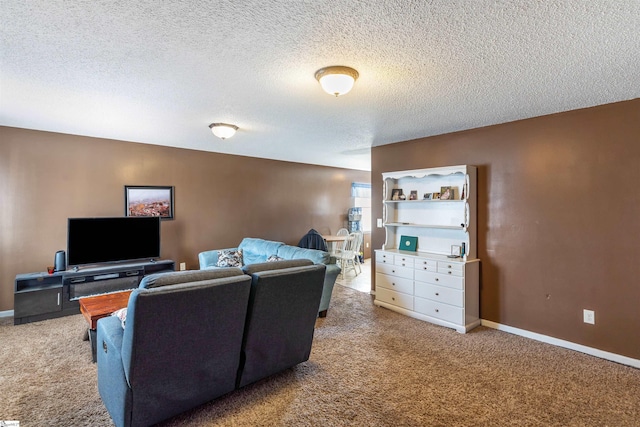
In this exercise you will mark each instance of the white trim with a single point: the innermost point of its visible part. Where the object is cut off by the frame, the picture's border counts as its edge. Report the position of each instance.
(624, 360)
(8, 313)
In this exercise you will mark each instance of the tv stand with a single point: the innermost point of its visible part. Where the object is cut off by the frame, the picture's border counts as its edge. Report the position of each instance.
(40, 296)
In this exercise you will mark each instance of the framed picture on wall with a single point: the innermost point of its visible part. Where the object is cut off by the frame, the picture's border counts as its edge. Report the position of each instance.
(148, 201)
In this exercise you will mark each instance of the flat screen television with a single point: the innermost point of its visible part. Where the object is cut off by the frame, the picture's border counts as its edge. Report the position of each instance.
(107, 240)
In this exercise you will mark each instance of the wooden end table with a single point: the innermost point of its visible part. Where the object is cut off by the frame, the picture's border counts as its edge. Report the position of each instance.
(99, 306)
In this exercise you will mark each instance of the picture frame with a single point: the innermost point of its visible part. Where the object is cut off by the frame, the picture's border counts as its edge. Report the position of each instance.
(413, 195)
(396, 193)
(149, 200)
(408, 243)
(446, 193)
(427, 196)
(456, 251)
(435, 196)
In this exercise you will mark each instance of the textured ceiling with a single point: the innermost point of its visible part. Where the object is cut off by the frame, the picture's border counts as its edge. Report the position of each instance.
(160, 72)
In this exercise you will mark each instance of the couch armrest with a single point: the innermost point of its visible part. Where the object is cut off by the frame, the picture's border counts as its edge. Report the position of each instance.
(330, 276)
(112, 382)
(209, 259)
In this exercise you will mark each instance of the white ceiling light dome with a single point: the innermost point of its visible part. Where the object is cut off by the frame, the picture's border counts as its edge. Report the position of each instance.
(223, 130)
(336, 80)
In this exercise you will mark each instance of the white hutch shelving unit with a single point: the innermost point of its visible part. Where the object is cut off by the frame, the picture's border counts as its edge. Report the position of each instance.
(427, 284)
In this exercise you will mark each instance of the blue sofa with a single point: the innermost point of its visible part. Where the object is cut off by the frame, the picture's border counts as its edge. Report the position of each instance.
(258, 251)
(192, 336)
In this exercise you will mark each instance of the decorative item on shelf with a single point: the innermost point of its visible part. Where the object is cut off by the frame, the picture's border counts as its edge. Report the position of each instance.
(456, 251)
(435, 196)
(413, 195)
(446, 193)
(396, 193)
(408, 243)
(427, 196)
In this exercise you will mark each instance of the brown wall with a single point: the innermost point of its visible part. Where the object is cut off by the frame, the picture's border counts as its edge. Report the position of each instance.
(558, 219)
(219, 199)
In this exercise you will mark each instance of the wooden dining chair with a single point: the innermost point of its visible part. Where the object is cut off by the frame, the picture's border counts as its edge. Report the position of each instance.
(346, 256)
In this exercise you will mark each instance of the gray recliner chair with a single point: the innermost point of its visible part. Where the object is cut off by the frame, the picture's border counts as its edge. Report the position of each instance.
(283, 307)
(180, 347)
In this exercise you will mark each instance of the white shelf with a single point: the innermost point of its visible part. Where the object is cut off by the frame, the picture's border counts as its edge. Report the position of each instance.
(426, 201)
(441, 227)
(430, 255)
(438, 224)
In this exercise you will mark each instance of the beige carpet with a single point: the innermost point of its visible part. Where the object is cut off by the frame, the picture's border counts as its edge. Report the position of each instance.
(369, 367)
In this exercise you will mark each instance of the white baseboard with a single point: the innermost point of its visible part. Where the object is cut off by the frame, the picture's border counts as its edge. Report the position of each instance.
(8, 313)
(624, 360)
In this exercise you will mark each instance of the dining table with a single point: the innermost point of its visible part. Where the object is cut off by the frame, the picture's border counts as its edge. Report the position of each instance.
(333, 241)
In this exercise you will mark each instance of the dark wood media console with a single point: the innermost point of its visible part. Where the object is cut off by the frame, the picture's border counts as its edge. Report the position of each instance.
(40, 296)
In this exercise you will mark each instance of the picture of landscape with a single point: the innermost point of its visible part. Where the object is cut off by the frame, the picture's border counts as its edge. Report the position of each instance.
(149, 201)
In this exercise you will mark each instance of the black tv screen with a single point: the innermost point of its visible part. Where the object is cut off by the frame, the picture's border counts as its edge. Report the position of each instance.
(102, 240)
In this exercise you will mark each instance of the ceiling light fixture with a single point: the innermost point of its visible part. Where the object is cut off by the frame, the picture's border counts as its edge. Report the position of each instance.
(223, 130)
(336, 80)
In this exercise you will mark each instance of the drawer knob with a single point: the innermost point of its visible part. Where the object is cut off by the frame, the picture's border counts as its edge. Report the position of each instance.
(437, 311)
(393, 271)
(449, 266)
(393, 298)
(449, 272)
(393, 284)
(424, 268)
(437, 294)
(437, 279)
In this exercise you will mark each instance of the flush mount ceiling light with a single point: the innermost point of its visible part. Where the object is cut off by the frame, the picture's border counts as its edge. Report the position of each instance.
(223, 130)
(336, 80)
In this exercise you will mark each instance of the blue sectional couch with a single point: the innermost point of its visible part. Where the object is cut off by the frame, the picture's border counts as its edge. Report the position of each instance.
(192, 336)
(258, 251)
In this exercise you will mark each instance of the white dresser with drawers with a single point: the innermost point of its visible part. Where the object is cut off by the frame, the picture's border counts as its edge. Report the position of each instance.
(433, 288)
(438, 280)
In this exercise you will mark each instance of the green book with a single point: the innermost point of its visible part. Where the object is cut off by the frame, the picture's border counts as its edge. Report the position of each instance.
(408, 243)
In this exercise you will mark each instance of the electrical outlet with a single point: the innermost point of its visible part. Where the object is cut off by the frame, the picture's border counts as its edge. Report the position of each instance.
(589, 316)
(379, 222)
(183, 266)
